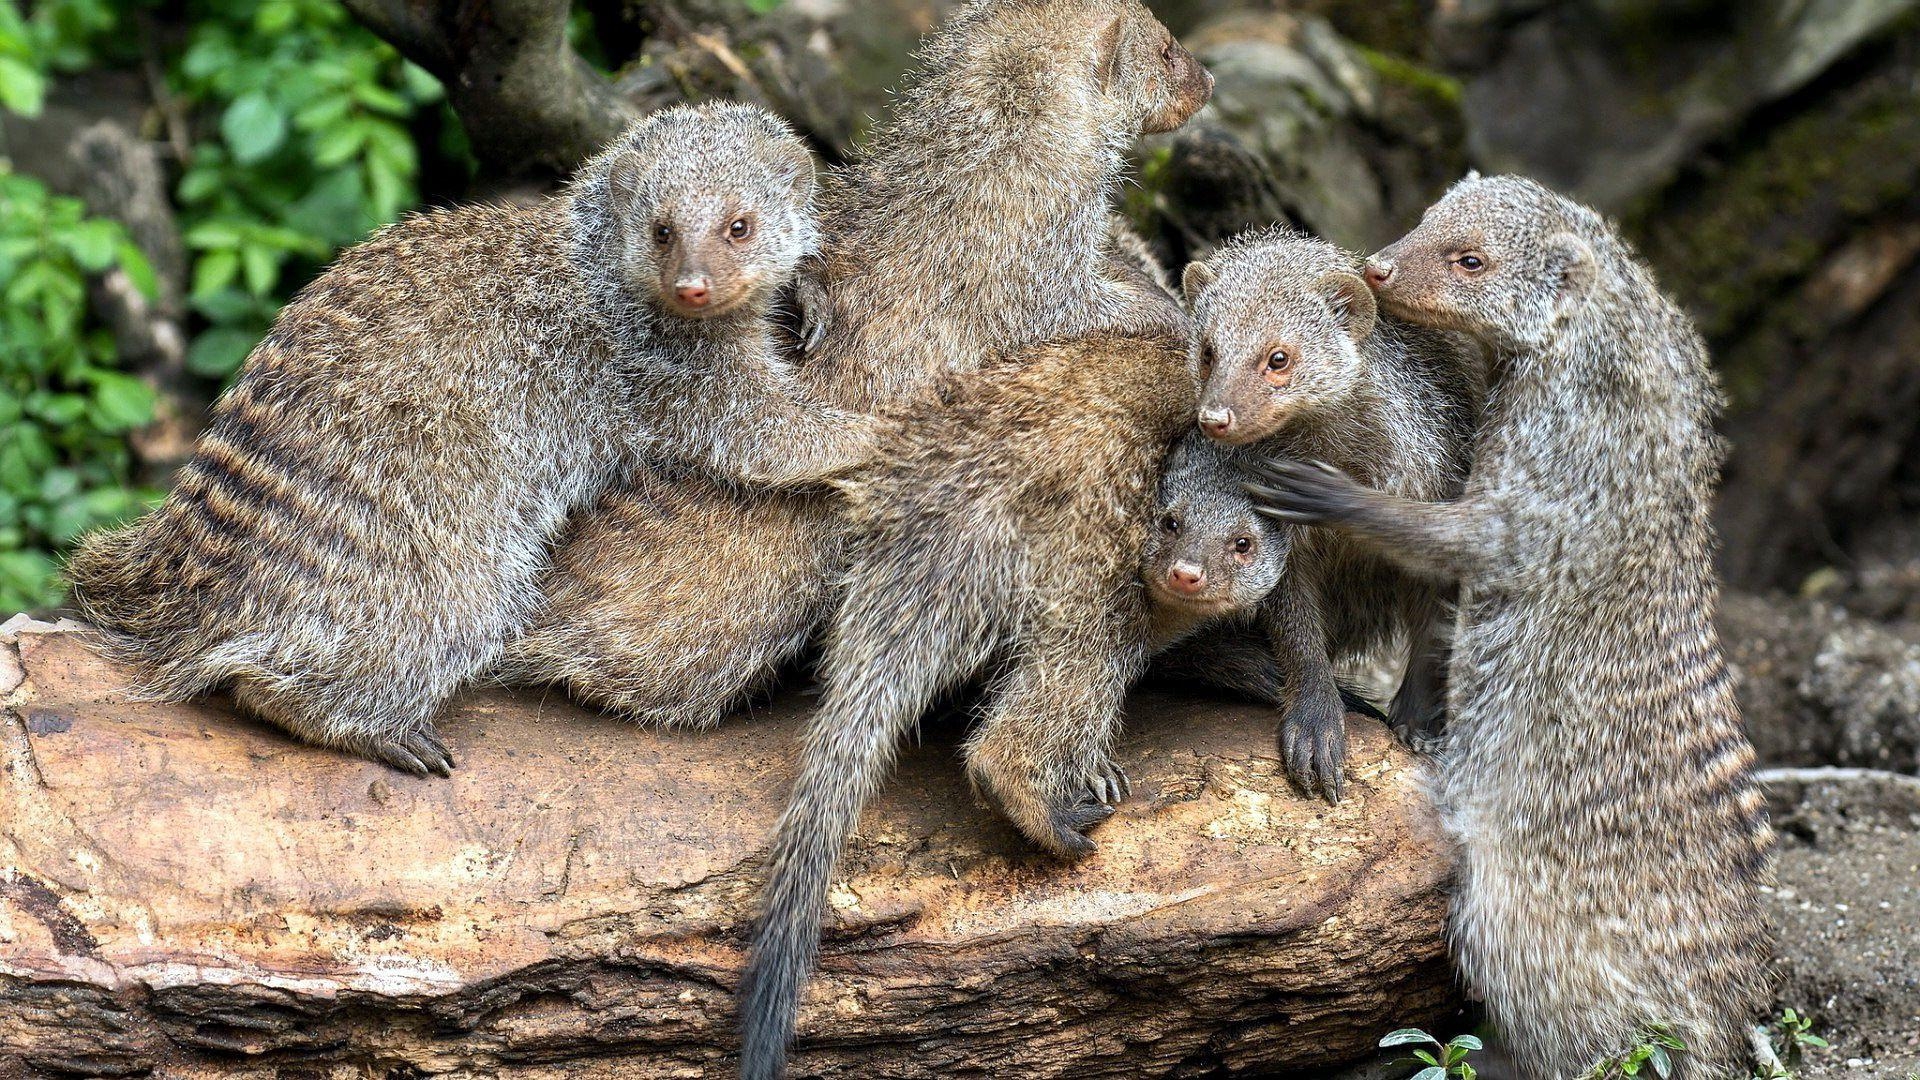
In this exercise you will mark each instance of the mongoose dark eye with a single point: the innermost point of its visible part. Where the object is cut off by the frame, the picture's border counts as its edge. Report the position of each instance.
(1206, 360)
(1279, 360)
(1170, 524)
(740, 229)
(1168, 54)
(1243, 545)
(663, 235)
(1470, 262)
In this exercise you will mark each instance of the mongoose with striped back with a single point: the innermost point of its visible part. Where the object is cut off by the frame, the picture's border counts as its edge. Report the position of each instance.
(1596, 775)
(364, 522)
(976, 220)
(1299, 363)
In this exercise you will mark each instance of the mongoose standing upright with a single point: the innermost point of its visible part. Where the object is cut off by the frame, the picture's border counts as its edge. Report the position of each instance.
(976, 221)
(1613, 841)
(1300, 364)
(365, 519)
(1001, 531)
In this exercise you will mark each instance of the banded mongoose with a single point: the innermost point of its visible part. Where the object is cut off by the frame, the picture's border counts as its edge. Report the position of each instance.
(1300, 364)
(998, 534)
(364, 521)
(977, 220)
(1613, 842)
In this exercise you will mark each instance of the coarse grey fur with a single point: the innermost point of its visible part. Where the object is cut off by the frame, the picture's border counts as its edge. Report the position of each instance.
(1385, 400)
(975, 221)
(1596, 775)
(364, 521)
(997, 533)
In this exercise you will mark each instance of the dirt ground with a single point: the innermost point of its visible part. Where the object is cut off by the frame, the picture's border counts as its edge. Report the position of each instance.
(1847, 909)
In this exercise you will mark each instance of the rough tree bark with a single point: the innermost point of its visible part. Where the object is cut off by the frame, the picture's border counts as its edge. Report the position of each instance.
(184, 891)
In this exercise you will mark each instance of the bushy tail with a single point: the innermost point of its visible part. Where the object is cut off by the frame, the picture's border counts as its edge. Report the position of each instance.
(911, 626)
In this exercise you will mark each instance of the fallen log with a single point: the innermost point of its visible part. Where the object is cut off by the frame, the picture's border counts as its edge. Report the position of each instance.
(186, 892)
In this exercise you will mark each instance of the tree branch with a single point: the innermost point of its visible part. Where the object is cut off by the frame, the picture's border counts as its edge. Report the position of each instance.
(530, 104)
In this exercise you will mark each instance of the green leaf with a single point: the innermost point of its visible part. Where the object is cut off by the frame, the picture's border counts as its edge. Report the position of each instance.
(1466, 1042)
(213, 234)
(262, 266)
(56, 409)
(253, 128)
(1662, 1064)
(92, 244)
(139, 271)
(1426, 1056)
(1408, 1035)
(121, 401)
(28, 579)
(219, 352)
(1434, 1073)
(232, 306)
(1809, 1039)
(22, 89)
(215, 271)
(337, 145)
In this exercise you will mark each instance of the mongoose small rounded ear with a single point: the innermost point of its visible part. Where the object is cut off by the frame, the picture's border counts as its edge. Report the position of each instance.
(1352, 302)
(1195, 279)
(1574, 262)
(805, 172)
(1111, 44)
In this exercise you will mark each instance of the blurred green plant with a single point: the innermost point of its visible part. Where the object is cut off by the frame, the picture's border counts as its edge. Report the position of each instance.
(300, 139)
(310, 148)
(64, 409)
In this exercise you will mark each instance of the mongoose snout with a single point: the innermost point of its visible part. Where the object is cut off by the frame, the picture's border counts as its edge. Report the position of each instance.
(1186, 578)
(1192, 88)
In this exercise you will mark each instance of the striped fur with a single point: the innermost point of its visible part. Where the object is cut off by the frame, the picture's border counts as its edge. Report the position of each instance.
(365, 521)
(1597, 777)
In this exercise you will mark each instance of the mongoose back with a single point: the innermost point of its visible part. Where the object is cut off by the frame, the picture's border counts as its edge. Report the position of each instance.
(363, 523)
(1000, 532)
(976, 221)
(1299, 363)
(1596, 774)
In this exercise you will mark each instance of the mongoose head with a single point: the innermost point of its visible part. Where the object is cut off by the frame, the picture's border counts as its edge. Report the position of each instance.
(1067, 62)
(1207, 551)
(1500, 258)
(698, 211)
(1278, 319)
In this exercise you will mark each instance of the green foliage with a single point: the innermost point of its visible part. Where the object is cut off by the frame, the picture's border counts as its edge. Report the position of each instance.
(1445, 1061)
(1652, 1052)
(300, 129)
(309, 148)
(64, 409)
(1791, 1036)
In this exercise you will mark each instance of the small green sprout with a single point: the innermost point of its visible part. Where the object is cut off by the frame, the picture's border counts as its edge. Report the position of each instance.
(1446, 1061)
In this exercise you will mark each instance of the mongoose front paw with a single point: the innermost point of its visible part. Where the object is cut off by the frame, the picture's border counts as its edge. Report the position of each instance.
(1302, 492)
(419, 752)
(1054, 812)
(1313, 744)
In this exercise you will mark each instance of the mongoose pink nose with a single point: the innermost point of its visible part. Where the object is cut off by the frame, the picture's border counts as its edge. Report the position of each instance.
(693, 293)
(1378, 273)
(1186, 578)
(1216, 422)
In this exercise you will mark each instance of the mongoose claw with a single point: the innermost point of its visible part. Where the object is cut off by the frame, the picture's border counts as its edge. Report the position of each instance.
(1070, 823)
(1313, 745)
(419, 752)
(1301, 492)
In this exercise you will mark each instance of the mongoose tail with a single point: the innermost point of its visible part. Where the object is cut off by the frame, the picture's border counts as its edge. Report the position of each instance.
(909, 629)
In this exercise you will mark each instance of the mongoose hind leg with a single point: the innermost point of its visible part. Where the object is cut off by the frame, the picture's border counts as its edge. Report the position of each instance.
(396, 732)
(1042, 754)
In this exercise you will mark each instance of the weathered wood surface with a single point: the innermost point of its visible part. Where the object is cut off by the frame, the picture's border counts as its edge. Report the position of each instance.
(191, 893)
